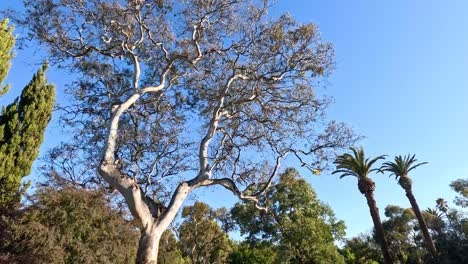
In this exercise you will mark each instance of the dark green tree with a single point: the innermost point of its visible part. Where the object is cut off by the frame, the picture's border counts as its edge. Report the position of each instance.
(70, 225)
(358, 166)
(362, 249)
(300, 227)
(406, 243)
(245, 253)
(450, 229)
(22, 126)
(401, 168)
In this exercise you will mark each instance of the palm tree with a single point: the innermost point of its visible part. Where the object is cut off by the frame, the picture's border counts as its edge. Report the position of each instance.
(401, 168)
(435, 220)
(360, 167)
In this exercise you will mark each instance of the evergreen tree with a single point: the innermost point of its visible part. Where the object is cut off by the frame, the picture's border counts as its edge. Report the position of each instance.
(300, 227)
(461, 187)
(447, 225)
(7, 41)
(22, 126)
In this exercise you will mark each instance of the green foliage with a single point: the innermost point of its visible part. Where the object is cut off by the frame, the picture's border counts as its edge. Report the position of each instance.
(70, 225)
(402, 165)
(450, 229)
(362, 250)
(356, 165)
(359, 166)
(201, 237)
(400, 168)
(128, 53)
(406, 242)
(298, 225)
(7, 42)
(244, 253)
(461, 187)
(170, 250)
(22, 126)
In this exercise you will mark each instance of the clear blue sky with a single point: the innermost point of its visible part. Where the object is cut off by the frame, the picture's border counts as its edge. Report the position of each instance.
(400, 80)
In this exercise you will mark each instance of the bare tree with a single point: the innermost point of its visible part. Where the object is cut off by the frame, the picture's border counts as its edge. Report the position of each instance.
(172, 96)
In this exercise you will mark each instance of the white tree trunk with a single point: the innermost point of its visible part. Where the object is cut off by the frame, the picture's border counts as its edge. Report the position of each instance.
(148, 247)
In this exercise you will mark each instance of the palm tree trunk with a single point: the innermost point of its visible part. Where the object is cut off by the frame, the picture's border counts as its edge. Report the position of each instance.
(422, 224)
(374, 210)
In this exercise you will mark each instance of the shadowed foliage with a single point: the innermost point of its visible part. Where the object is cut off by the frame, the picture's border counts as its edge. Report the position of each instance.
(69, 225)
(362, 249)
(448, 226)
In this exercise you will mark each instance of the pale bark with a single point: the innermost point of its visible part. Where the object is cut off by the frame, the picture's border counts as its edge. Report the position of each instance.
(148, 248)
(153, 221)
(109, 37)
(152, 224)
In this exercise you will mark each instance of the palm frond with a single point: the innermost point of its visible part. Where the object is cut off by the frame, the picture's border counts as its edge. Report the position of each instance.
(417, 165)
(401, 166)
(355, 164)
(375, 169)
(372, 161)
(347, 174)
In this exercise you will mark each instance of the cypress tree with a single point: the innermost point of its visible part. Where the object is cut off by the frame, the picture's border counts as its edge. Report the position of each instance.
(7, 41)
(22, 126)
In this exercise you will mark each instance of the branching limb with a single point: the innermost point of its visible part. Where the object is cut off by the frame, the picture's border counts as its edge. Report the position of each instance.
(213, 125)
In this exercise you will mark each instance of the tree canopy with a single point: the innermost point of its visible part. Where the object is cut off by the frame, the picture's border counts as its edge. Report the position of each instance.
(22, 127)
(70, 225)
(297, 224)
(177, 95)
(201, 237)
(22, 124)
(165, 97)
(253, 254)
(447, 225)
(461, 187)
